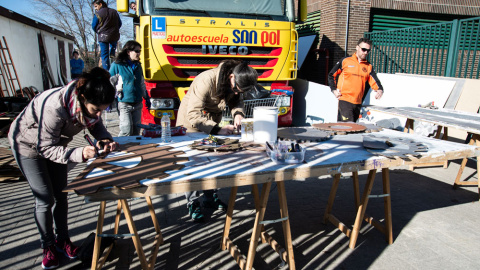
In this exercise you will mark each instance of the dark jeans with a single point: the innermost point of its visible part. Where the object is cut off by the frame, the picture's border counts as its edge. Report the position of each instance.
(193, 196)
(348, 112)
(47, 179)
(107, 49)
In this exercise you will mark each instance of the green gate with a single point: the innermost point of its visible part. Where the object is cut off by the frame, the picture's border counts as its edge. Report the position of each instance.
(450, 49)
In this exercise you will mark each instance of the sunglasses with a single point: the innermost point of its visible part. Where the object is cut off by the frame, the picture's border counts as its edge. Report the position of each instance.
(137, 51)
(365, 49)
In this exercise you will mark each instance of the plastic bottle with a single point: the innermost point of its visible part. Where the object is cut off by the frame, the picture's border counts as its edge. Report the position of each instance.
(166, 132)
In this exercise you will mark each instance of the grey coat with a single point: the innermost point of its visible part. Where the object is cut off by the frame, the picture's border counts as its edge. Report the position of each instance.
(199, 109)
(44, 128)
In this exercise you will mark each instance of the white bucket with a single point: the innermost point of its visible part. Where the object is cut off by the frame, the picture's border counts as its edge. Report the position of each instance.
(265, 124)
(247, 129)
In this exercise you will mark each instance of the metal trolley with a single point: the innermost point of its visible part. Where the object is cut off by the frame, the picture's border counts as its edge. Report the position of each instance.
(249, 105)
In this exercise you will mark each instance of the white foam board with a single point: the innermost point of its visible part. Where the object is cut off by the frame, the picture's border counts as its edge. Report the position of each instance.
(313, 101)
(407, 91)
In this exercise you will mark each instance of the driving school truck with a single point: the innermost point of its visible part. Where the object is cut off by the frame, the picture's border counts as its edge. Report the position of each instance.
(181, 39)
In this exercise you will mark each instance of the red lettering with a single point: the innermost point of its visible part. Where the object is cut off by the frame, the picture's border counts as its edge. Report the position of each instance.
(207, 39)
(264, 38)
(273, 38)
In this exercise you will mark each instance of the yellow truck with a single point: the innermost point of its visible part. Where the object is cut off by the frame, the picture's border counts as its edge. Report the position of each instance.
(181, 39)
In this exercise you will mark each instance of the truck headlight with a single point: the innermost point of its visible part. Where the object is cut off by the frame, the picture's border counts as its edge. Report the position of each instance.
(283, 101)
(161, 103)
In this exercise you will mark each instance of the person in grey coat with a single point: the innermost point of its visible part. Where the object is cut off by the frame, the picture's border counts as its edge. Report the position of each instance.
(201, 110)
(39, 139)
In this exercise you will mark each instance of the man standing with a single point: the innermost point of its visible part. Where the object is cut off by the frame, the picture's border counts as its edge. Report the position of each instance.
(106, 23)
(76, 66)
(348, 79)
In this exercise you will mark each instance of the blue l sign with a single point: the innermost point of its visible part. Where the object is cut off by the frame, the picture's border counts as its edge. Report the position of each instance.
(159, 27)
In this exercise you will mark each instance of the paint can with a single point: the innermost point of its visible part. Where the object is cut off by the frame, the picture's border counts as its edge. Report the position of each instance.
(265, 124)
(247, 129)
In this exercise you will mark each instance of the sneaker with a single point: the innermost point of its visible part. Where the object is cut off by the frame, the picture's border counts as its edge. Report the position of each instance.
(50, 258)
(67, 248)
(195, 211)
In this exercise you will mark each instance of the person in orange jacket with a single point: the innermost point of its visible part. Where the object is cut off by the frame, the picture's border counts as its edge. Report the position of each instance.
(348, 80)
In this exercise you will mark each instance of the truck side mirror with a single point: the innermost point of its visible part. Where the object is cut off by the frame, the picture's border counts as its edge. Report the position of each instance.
(302, 10)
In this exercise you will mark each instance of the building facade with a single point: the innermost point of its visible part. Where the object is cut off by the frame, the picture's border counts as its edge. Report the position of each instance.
(40, 53)
(343, 22)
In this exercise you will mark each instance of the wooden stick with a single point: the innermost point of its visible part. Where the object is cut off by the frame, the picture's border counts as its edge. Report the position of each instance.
(252, 249)
(98, 239)
(362, 208)
(356, 189)
(331, 197)
(256, 200)
(387, 203)
(282, 199)
(228, 218)
(135, 237)
(158, 237)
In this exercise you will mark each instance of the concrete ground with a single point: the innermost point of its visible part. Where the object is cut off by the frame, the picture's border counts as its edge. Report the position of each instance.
(433, 225)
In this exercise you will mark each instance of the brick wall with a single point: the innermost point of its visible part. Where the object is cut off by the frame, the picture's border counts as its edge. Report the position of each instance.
(333, 24)
(457, 7)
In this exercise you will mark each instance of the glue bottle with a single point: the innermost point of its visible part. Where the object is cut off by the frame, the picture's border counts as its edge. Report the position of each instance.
(166, 132)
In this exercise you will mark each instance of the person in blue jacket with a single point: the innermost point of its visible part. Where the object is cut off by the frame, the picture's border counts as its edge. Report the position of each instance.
(76, 66)
(106, 23)
(131, 88)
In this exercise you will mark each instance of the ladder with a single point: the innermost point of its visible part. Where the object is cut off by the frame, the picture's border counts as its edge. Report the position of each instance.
(9, 71)
(3, 92)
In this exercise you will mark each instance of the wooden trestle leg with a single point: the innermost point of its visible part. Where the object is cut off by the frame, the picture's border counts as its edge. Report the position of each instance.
(361, 206)
(258, 229)
(97, 262)
(475, 139)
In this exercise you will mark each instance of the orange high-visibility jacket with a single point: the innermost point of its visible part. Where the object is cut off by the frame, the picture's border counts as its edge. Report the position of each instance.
(351, 76)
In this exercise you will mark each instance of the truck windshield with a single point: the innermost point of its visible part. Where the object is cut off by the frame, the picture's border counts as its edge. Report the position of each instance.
(248, 9)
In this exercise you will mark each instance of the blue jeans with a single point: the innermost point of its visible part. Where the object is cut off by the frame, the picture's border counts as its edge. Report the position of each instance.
(107, 49)
(47, 179)
(130, 116)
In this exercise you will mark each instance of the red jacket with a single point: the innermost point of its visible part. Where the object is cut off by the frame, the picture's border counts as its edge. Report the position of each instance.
(351, 76)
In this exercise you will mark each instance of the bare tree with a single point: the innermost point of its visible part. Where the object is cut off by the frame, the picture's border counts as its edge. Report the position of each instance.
(74, 17)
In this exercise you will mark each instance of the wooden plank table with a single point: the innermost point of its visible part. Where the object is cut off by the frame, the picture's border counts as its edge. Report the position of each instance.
(443, 118)
(211, 170)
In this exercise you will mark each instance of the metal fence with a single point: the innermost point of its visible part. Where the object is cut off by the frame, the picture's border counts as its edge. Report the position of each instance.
(450, 49)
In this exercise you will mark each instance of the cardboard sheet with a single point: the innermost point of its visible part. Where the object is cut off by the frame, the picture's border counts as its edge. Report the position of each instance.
(407, 91)
(313, 103)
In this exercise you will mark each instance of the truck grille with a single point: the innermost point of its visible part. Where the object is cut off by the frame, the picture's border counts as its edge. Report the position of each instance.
(185, 73)
(187, 61)
(217, 60)
(196, 49)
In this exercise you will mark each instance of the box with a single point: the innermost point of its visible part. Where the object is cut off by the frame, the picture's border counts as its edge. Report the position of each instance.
(281, 155)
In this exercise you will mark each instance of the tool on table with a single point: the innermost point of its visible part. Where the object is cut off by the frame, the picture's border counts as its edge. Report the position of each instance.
(269, 146)
(429, 105)
(89, 140)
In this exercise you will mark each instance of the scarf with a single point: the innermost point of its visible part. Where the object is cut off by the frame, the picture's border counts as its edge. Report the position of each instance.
(74, 108)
